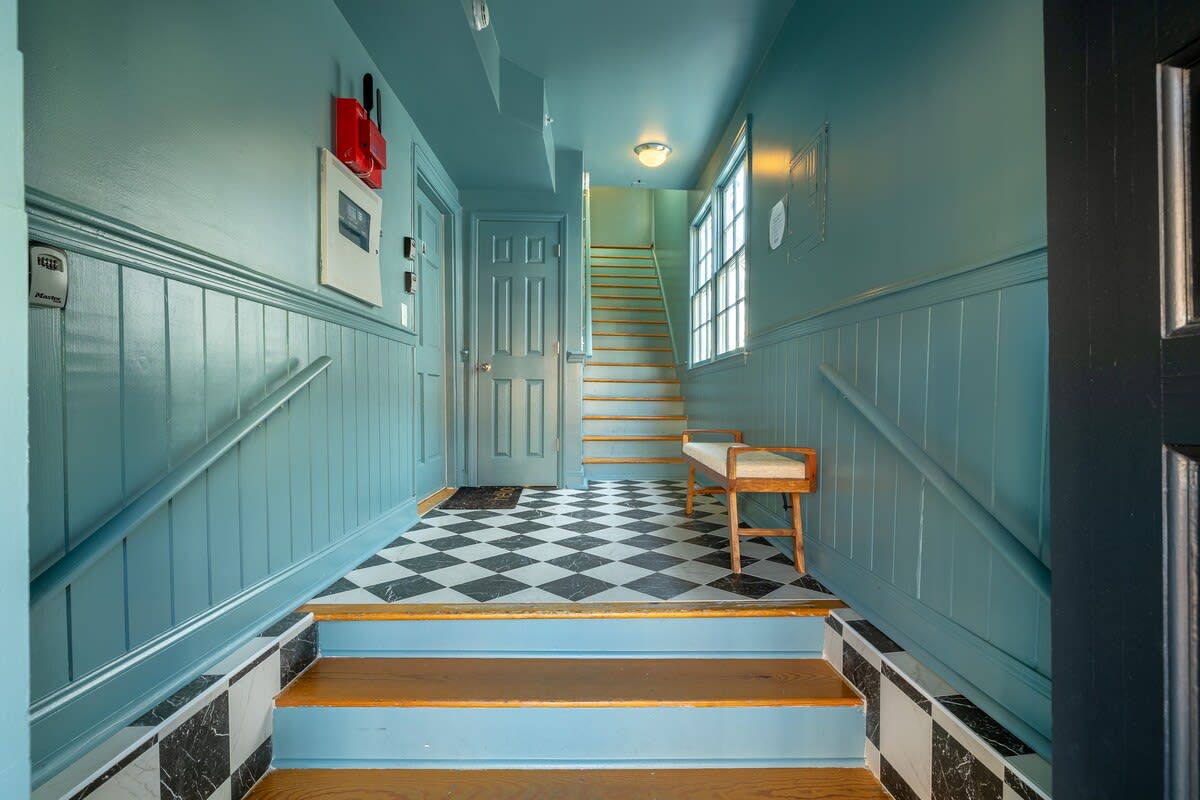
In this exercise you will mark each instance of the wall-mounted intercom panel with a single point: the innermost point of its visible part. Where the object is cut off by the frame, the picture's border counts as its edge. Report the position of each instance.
(47, 276)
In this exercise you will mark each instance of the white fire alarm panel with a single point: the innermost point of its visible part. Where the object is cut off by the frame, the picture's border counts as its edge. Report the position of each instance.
(350, 218)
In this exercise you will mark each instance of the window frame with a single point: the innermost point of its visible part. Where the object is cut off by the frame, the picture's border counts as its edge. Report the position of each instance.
(723, 299)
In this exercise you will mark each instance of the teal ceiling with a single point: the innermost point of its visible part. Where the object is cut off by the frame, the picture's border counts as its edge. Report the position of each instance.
(611, 73)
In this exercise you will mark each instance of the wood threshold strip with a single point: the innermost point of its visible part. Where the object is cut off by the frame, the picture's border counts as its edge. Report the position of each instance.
(346, 612)
(632, 438)
(647, 417)
(567, 683)
(434, 500)
(633, 460)
(663, 399)
(796, 783)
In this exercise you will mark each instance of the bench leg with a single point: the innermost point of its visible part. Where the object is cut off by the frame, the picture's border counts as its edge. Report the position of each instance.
(735, 541)
(691, 485)
(797, 534)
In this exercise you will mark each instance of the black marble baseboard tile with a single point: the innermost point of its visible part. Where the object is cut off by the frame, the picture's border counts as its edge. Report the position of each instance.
(1023, 789)
(234, 677)
(171, 706)
(865, 678)
(286, 623)
(984, 726)
(194, 758)
(834, 623)
(252, 770)
(910, 691)
(877, 638)
(959, 775)
(296, 655)
(894, 782)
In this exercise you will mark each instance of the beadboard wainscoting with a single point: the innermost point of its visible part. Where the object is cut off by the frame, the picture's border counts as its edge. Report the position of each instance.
(959, 362)
(158, 349)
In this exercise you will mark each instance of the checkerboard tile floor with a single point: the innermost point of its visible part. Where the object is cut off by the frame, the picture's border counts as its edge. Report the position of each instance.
(616, 541)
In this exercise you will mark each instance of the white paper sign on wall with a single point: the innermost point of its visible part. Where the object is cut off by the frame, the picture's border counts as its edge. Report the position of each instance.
(778, 223)
(350, 218)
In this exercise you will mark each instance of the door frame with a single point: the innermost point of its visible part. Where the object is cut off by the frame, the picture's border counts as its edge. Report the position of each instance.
(470, 377)
(430, 179)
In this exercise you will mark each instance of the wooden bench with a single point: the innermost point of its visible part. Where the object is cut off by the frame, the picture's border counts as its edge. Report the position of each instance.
(736, 467)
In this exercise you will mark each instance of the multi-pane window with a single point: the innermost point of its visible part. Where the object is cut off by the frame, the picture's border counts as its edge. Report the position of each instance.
(702, 294)
(719, 269)
(731, 277)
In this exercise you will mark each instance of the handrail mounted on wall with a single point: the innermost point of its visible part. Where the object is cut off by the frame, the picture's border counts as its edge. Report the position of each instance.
(115, 528)
(1008, 546)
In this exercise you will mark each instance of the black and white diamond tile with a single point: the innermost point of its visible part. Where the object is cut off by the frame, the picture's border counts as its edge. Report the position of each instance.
(616, 541)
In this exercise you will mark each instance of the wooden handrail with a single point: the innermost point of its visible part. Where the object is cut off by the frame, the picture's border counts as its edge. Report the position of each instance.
(120, 524)
(999, 537)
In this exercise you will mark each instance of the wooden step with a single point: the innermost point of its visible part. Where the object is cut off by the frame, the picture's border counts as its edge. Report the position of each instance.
(632, 335)
(658, 309)
(632, 460)
(631, 380)
(629, 321)
(622, 286)
(637, 399)
(566, 683)
(622, 247)
(624, 364)
(632, 438)
(648, 417)
(630, 610)
(636, 349)
(814, 783)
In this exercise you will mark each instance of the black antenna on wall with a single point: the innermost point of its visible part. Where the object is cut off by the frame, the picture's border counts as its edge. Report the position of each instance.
(368, 92)
(379, 110)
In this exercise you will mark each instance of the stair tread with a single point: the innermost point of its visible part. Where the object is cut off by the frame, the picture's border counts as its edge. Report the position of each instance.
(812, 783)
(345, 612)
(566, 683)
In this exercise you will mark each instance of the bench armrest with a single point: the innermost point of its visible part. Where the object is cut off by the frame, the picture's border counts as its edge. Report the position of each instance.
(687, 434)
(810, 459)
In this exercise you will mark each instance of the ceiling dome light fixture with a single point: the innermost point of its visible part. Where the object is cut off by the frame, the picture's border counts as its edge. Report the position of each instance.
(652, 154)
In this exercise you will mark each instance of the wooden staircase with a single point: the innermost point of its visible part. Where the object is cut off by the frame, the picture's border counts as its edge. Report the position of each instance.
(627, 700)
(633, 411)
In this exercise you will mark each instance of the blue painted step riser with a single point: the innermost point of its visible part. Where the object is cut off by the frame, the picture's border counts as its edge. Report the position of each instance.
(631, 356)
(633, 407)
(628, 427)
(563, 737)
(593, 389)
(634, 449)
(635, 472)
(598, 371)
(721, 637)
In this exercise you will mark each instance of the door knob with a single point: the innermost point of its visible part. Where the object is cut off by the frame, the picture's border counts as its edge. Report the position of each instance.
(484, 367)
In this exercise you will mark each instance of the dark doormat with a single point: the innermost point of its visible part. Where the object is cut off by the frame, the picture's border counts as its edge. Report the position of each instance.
(484, 497)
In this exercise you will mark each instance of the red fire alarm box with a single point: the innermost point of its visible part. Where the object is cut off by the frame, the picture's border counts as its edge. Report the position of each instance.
(358, 143)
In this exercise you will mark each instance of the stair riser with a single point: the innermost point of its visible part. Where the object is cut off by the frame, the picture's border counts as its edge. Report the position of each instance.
(630, 356)
(630, 450)
(562, 737)
(594, 389)
(625, 312)
(717, 637)
(625, 327)
(635, 472)
(595, 371)
(626, 339)
(603, 274)
(611, 427)
(634, 290)
(633, 407)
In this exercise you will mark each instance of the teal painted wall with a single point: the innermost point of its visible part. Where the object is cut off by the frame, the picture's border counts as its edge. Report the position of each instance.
(567, 201)
(929, 294)
(185, 154)
(14, 425)
(622, 216)
(672, 243)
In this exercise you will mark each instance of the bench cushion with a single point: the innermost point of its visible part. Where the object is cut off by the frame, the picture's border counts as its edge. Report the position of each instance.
(752, 465)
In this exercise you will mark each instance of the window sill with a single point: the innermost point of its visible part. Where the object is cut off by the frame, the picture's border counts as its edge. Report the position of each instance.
(731, 360)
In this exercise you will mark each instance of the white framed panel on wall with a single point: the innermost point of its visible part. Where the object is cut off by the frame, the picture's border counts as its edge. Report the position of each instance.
(351, 214)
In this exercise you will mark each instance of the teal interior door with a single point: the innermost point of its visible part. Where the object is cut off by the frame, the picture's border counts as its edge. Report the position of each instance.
(431, 348)
(516, 361)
